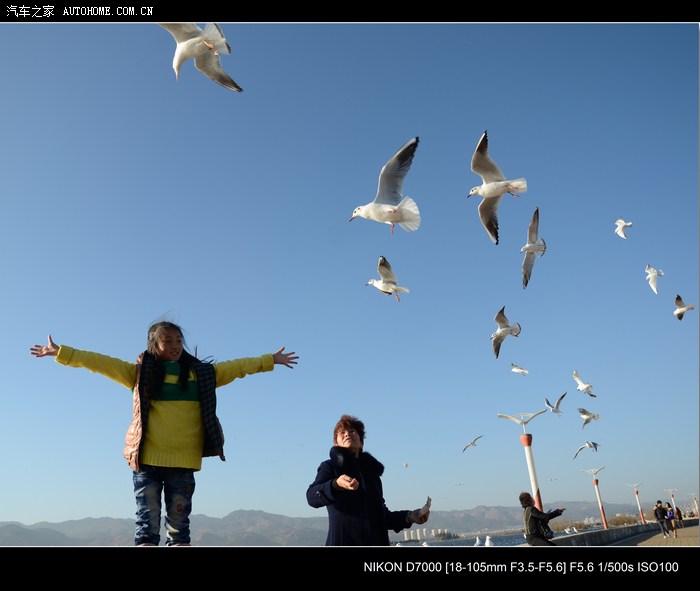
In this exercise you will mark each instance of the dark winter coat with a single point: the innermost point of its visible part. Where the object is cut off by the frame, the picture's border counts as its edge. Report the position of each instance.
(533, 519)
(355, 517)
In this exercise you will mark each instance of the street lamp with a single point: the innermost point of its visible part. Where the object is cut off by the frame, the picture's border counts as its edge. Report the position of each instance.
(673, 501)
(636, 496)
(526, 440)
(593, 472)
(695, 502)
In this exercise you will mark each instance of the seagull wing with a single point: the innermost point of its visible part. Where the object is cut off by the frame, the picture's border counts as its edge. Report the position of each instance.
(579, 381)
(488, 214)
(533, 228)
(500, 318)
(483, 164)
(393, 173)
(528, 264)
(385, 271)
(210, 65)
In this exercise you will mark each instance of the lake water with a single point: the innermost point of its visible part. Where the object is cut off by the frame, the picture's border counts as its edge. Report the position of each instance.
(502, 539)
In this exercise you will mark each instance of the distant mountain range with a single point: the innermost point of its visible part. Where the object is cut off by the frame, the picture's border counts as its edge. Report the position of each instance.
(257, 528)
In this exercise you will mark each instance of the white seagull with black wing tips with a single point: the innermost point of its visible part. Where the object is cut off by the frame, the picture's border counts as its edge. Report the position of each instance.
(504, 329)
(583, 386)
(587, 416)
(204, 46)
(388, 282)
(517, 369)
(588, 445)
(473, 442)
(681, 308)
(534, 247)
(555, 407)
(389, 205)
(493, 186)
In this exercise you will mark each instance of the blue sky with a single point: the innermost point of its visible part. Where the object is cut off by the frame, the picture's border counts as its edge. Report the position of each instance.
(130, 197)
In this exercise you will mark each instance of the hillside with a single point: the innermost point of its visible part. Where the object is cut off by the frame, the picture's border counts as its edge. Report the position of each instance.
(258, 528)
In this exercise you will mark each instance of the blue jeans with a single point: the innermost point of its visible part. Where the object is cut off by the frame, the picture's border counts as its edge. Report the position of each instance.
(177, 484)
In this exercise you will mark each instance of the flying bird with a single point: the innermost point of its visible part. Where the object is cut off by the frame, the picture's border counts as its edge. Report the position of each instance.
(681, 308)
(587, 416)
(504, 329)
(534, 247)
(518, 369)
(582, 386)
(204, 46)
(493, 186)
(473, 442)
(389, 205)
(620, 226)
(555, 407)
(590, 445)
(652, 276)
(522, 420)
(388, 282)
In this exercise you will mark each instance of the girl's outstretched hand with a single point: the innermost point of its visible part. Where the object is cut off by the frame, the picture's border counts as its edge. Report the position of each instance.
(281, 358)
(43, 350)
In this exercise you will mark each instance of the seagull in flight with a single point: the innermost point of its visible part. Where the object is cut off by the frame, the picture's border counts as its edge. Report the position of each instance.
(204, 46)
(652, 275)
(518, 369)
(534, 247)
(681, 308)
(582, 386)
(388, 282)
(389, 205)
(473, 442)
(620, 226)
(504, 329)
(555, 407)
(493, 186)
(590, 445)
(587, 416)
(522, 420)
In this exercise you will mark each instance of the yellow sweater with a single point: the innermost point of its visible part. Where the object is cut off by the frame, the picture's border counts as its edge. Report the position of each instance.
(174, 433)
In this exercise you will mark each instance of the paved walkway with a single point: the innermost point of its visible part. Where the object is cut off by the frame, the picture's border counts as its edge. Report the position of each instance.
(687, 536)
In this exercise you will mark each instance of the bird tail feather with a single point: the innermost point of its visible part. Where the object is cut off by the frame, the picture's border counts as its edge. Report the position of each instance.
(410, 211)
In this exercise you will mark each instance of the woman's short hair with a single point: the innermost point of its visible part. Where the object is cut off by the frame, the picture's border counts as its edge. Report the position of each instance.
(349, 422)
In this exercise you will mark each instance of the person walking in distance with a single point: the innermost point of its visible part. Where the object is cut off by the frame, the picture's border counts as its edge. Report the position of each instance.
(660, 516)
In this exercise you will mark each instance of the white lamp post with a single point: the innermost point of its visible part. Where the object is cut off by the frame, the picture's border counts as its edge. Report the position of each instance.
(593, 472)
(526, 440)
(636, 496)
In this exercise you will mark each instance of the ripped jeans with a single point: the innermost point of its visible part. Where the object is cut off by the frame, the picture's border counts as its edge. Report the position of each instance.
(176, 485)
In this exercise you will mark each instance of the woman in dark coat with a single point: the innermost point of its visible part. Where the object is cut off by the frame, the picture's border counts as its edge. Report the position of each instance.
(534, 518)
(349, 485)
